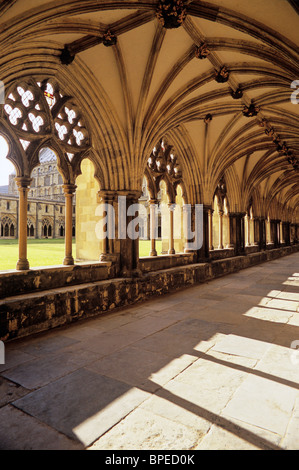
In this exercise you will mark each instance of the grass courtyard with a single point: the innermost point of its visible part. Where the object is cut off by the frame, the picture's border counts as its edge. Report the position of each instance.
(42, 253)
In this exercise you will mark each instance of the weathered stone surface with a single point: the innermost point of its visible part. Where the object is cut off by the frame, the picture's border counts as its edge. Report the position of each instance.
(143, 430)
(19, 431)
(28, 313)
(10, 391)
(94, 404)
(264, 402)
(38, 280)
(150, 375)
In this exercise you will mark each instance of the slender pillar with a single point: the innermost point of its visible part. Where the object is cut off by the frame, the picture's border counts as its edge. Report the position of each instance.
(248, 241)
(107, 198)
(220, 247)
(203, 254)
(69, 191)
(276, 232)
(287, 238)
(257, 231)
(171, 229)
(153, 227)
(211, 229)
(262, 234)
(23, 184)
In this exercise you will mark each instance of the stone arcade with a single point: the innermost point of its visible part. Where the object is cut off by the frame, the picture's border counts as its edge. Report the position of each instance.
(164, 103)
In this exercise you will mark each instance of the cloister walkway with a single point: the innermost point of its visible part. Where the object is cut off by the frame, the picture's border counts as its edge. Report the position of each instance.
(210, 367)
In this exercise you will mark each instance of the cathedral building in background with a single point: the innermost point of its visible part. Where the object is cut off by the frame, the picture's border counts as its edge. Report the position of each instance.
(46, 202)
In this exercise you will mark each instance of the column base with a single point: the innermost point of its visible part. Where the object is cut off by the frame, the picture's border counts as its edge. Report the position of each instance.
(68, 261)
(22, 265)
(153, 253)
(171, 252)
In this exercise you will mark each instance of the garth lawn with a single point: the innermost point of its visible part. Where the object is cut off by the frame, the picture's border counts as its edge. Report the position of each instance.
(41, 253)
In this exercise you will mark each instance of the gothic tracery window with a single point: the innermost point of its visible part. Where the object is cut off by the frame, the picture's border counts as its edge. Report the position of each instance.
(8, 227)
(36, 109)
(164, 178)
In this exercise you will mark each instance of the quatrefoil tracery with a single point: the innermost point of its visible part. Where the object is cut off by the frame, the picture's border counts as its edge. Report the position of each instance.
(164, 161)
(37, 109)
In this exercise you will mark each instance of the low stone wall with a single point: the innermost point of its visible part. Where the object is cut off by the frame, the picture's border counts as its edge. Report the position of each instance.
(221, 254)
(25, 314)
(252, 249)
(155, 263)
(41, 279)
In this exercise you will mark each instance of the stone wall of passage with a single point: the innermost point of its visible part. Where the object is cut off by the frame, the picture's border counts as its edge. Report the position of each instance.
(48, 305)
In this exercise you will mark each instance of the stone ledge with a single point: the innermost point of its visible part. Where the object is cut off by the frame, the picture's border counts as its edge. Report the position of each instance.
(41, 279)
(221, 253)
(154, 263)
(26, 314)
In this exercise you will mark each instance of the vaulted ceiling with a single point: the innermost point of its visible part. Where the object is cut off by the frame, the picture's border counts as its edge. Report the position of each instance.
(217, 87)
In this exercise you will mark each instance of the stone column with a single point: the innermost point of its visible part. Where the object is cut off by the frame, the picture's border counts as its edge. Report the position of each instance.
(277, 233)
(171, 250)
(69, 191)
(220, 247)
(256, 230)
(271, 232)
(237, 232)
(153, 227)
(107, 198)
(287, 237)
(211, 229)
(274, 232)
(126, 245)
(199, 229)
(248, 241)
(23, 184)
(262, 234)
(204, 252)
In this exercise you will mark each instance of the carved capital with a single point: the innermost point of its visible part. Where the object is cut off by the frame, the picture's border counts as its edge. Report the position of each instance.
(23, 182)
(69, 189)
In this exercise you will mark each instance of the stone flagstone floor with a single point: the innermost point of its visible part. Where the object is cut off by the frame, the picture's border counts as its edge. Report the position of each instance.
(210, 367)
